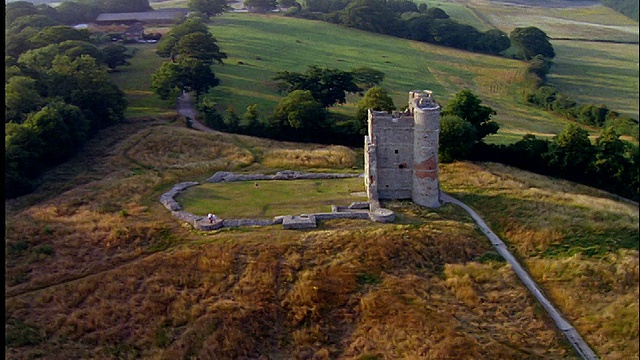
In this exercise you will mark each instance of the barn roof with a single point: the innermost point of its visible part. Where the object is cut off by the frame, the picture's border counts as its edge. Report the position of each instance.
(141, 16)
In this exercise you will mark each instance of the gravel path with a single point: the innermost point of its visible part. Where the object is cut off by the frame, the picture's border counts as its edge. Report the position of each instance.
(569, 331)
(186, 109)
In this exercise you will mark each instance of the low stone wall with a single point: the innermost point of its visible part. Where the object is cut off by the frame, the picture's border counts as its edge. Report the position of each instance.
(225, 176)
(357, 210)
(168, 199)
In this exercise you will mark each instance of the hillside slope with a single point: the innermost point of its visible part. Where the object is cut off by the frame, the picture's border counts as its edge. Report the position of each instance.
(96, 266)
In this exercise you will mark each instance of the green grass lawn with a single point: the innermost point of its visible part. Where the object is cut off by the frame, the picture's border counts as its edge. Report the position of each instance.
(243, 199)
(135, 81)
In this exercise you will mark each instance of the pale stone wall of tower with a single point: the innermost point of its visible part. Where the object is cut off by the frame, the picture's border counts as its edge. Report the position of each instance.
(392, 136)
(426, 114)
(401, 152)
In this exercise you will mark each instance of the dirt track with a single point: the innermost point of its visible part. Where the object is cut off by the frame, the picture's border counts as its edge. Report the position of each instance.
(185, 108)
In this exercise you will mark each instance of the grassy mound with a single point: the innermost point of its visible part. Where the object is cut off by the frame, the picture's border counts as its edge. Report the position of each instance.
(97, 267)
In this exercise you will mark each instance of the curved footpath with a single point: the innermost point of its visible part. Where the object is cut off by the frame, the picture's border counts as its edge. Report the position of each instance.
(569, 331)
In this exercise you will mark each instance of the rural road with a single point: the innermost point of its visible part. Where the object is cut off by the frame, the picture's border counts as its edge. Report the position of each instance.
(185, 108)
(569, 331)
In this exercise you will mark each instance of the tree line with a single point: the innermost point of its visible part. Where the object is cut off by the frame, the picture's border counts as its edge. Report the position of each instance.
(70, 12)
(404, 19)
(57, 92)
(610, 163)
(545, 96)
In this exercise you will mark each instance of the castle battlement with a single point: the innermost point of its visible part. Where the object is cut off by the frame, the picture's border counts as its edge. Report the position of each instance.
(401, 152)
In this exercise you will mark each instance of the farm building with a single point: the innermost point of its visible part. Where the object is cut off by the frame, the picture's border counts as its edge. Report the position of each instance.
(147, 17)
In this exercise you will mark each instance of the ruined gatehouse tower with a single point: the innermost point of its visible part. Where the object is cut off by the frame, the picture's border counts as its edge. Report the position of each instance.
(401, 153)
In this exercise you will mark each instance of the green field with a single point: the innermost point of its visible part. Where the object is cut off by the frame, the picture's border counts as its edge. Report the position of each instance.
(595, 22)
(588, 71)
(598, 73)
(135, 81)
(271, 198)
(259, 46)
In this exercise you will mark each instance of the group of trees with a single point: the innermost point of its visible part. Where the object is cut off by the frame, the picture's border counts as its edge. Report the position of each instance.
(57, 94)
(303, 114)
(405, 19)
(610, 164)
(540, 94)
(192, 50)
(71, 12)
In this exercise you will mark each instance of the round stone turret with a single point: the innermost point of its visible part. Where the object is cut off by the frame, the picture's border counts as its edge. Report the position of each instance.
(426, 115)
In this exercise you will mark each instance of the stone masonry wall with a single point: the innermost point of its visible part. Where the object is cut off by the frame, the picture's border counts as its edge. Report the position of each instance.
(354, 211)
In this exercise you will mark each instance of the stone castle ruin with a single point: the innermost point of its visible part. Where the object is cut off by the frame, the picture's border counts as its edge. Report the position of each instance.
(401, 162)
(401, 153)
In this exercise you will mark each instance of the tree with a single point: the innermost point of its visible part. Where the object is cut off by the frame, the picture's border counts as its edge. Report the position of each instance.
(457, 137)
(21, 98)
(72, 12)
(375, 98)
(17, 9)
(53, 132)
(592, 115)
(288, 3)
(366, 77)
(531, 41)
(260, 6)
(492, 41)
(85, 83)
(571, 153)
(167, 45)
(231, 120)
(201, 46)
(369, 15)
(58, 34)
(449, 33)
(17, 43)
(209, 7)
(528, 152)
(610, 160)
(75, 48)
(22, 152)
(436, 13)
(186, 75)
(40, 59)
(37, 21)
(115, 55)
(299, 110)
(420, 28)
(467, 106)
(328, 86)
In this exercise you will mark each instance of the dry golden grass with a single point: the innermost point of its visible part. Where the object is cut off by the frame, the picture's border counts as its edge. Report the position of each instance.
(580, 244)
(327, 158)
(97, 268)
(324, 294)
(599, 295)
